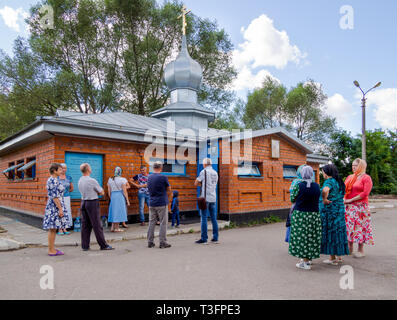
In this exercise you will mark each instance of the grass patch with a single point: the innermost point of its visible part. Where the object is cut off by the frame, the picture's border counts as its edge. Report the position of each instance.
(252, 223)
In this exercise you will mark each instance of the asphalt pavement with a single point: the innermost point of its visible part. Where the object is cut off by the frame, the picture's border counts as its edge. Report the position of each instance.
(248, 263)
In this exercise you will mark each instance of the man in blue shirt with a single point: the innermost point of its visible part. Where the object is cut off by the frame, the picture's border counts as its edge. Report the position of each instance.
(159, 191)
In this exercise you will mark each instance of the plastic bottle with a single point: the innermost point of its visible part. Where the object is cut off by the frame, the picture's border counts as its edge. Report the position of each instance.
(77, 225)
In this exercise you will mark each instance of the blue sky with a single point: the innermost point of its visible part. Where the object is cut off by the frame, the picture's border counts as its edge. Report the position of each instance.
(294, 41)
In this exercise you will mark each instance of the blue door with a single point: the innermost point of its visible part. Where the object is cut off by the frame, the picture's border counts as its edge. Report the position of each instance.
(209, 149)
(73, 160)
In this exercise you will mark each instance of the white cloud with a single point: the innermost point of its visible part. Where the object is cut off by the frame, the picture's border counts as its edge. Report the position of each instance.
(385, 102)
(246, 79)
(265, 46)
(338, 107)
(12, 18)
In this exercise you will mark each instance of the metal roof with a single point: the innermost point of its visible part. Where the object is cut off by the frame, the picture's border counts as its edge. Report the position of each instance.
(123, 126)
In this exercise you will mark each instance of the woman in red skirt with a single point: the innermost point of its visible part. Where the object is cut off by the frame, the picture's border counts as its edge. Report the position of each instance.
(358, 216)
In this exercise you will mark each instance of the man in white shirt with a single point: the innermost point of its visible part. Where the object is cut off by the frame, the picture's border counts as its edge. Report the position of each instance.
(90, 212)
(208, 180)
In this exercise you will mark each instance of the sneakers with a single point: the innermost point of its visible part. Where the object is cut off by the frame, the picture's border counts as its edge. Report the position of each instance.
(201, 242)
(164, 245)
(107, 248)
(303, 265)
(309, 262)
(151, 245)
(214, 241)
(142, 224)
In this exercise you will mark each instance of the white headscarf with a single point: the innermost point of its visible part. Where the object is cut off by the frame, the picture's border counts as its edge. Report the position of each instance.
(307, 175)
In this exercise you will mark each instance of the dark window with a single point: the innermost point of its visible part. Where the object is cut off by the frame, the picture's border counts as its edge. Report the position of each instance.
(11, 173)
(20, 174)
(29, 169)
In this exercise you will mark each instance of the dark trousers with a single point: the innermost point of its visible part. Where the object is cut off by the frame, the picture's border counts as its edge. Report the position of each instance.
(91, 219)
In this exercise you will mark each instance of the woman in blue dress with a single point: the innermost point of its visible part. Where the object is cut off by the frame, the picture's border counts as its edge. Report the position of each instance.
(332, 211)
(55, 216)
(117, 191)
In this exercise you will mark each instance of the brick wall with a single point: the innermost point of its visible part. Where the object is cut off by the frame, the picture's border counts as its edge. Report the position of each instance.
(236, 194)
(130, 157)
(31, 195)
(268, 192)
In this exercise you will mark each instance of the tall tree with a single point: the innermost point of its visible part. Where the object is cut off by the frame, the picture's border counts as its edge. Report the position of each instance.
(306, 114)
(152, 38)
(265, 107)
(110, 55)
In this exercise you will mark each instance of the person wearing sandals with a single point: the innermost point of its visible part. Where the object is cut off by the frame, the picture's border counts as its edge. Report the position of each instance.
(117, 191)
(55, 216)
(305, 237)
(67, 182)
(358, 216)
(293, 190)
(332, 212)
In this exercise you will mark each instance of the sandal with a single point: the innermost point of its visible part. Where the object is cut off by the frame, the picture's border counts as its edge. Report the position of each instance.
(333, 262)
(118, 230)
(60, 233)
(59, 253)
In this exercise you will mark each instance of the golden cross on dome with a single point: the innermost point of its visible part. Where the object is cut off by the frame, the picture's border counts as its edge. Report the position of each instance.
(183, 16)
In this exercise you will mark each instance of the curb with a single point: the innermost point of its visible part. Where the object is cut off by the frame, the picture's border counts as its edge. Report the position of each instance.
(7, 244)
(140, 236)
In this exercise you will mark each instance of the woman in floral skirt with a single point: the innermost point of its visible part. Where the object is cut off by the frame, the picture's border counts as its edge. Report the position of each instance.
(358, 216)
(305, 238)
(55, 216)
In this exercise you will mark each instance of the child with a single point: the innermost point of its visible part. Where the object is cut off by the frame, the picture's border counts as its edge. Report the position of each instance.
(175, 209)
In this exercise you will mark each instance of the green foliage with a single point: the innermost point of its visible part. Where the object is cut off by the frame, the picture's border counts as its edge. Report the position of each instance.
(305, 114)
(232, 225)
(109, 55)
(266, 106)
(381, 157)
(298, 110)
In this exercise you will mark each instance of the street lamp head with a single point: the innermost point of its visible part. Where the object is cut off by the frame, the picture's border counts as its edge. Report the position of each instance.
(378, 84)
(356, 84)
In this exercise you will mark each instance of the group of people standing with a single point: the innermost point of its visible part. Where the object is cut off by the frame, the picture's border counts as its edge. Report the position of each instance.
(331, 219)
(154, 189)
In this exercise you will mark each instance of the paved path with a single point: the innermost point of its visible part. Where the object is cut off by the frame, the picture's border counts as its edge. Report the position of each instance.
(248, 263)
(31, 236)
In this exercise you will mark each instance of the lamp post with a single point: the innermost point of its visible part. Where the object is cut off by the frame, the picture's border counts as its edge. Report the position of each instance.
(364, 136)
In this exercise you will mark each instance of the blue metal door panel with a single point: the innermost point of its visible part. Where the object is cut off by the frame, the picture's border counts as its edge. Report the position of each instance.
(209, 149)
(73, 160)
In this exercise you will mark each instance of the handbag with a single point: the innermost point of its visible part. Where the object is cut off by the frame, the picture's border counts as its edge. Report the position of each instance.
(202, 203)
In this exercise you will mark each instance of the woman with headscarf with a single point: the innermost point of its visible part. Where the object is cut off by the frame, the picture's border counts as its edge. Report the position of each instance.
(293, 190)
(358, 216)
(117, 190)
(332, 212)
(305, 238)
